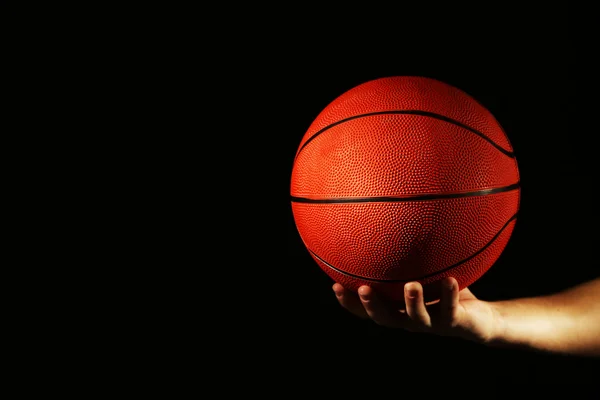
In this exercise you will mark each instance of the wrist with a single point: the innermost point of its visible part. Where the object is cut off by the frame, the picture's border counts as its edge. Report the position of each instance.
(497, 333)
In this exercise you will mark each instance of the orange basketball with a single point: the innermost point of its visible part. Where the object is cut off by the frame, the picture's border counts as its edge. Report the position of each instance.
(403, 179)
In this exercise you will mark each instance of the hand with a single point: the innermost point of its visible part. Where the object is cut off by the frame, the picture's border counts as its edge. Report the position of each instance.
(458, 313)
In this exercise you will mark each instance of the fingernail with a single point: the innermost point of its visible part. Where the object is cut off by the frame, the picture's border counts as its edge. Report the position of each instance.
(450, 286)
(362, 294)
(411, 291)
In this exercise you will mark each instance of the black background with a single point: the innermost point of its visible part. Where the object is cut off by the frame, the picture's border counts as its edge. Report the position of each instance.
(216, 103)
(532, 72)
(252, 305)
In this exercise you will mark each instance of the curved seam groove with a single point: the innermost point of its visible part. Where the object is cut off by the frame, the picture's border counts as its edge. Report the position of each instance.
(424, 276)
(417, 197)
(411, 112)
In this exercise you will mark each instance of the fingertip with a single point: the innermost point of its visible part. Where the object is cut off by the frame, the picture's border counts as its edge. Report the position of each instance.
(338, 289)
(450, 283)
(364, 291)
(412, 289)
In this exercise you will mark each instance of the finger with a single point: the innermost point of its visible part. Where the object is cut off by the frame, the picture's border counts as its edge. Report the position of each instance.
(415, 304)
(349, 300)
(448, 307)
(380, 311)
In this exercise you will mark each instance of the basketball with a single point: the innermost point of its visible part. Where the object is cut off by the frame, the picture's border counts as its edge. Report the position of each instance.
(404, 178)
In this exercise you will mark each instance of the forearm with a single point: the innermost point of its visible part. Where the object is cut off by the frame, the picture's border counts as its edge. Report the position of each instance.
(567, 322)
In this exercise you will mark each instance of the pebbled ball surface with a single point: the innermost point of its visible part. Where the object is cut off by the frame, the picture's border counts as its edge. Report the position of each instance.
(405, 178)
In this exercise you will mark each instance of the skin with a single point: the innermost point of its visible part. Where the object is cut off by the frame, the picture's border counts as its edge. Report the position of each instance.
(567, 322)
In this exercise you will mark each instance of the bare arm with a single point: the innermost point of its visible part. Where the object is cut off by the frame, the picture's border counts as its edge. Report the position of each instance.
(567, 322)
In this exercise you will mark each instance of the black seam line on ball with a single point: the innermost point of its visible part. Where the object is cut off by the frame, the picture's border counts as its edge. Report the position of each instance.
(412, 112)
(424, 276)
(394, 199)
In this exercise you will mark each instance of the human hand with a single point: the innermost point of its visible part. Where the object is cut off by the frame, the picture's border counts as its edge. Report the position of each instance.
(457, 313)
